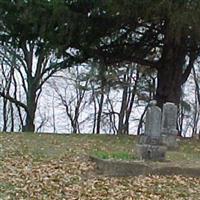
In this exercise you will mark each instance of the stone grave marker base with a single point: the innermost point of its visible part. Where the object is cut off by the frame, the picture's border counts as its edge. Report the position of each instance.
(151, 152)
(170, 142)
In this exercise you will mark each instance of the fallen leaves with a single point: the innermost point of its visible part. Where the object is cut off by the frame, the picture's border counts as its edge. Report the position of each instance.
(71, 175)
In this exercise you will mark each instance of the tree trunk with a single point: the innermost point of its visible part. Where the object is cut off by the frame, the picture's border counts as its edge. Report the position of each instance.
(131, 102)
(12, 124)
(170, 71)
(100, 111)
(31, 107)
(30, 117)
(5, 115)
(169, 84)
(121, 125)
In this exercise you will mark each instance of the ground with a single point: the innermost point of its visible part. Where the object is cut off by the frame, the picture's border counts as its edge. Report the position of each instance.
(46, 166)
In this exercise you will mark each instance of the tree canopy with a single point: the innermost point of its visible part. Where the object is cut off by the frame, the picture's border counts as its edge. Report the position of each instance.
(159, 34)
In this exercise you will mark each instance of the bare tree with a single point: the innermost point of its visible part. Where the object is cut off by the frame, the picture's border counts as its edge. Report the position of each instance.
(110, 112)
(71, 93)
(33, 69)
(12, 116)
(129, 89)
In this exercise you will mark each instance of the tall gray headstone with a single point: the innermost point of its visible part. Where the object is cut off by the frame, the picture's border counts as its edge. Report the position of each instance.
(153, 121)
(168, 125)
(150, 145)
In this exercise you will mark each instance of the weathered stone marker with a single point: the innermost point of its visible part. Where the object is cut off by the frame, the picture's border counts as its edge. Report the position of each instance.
(150, 145)
(152, 126)
(168, 125)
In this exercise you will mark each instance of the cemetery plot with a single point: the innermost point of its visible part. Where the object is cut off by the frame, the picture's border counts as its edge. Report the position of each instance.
(57, 167)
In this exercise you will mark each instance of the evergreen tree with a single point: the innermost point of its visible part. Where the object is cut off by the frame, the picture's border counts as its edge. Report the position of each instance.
(29, 31)
(160, 34)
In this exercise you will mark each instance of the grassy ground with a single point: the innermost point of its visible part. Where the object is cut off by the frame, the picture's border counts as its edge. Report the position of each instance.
(55, 167)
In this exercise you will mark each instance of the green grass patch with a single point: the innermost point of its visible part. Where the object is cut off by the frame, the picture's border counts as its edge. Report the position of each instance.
(4, 186)
(4, 189)
(113, 155)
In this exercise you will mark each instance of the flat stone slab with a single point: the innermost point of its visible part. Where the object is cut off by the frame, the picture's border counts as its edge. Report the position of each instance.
(136, 168)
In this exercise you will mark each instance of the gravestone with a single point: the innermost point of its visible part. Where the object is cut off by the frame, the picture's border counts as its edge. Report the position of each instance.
(168, 126)
(150, 146)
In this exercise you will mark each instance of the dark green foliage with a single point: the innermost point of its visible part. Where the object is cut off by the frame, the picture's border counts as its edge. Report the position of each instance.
(99, 28)
(25, 21)
(155, 33)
